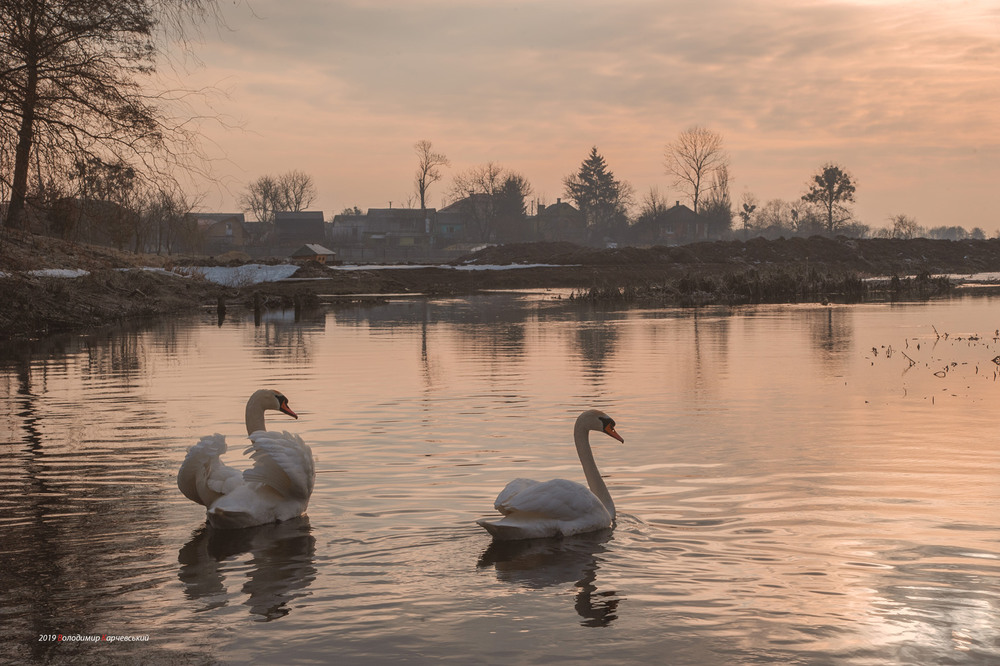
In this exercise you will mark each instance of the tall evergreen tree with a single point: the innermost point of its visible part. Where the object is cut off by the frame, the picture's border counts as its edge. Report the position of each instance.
(602, 198)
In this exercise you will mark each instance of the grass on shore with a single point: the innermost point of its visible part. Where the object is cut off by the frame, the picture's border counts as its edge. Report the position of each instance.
(772, 285)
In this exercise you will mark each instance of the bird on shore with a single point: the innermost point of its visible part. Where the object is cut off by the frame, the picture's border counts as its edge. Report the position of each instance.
(276, 488)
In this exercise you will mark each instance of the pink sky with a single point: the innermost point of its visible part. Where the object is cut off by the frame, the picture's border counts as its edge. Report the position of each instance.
(904, 95)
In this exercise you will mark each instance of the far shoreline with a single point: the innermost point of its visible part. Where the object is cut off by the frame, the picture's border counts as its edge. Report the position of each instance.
(115, 288)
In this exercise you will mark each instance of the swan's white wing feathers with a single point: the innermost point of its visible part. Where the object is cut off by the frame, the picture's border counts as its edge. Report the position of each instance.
(283, 462)
(504, 502)
(558, 499)
(203, 477)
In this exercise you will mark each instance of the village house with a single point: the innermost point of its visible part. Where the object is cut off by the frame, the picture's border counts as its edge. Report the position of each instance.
(456, 222)
(218, 233)
(385, 227)
(675, 226)
(293, 228)
(560, 222)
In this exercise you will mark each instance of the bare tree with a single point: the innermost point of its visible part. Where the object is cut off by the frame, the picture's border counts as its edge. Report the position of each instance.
(905, 227)
(718, 209)
(693, 159)
(293, 191)
(71, 74)
(830, 189)
(297, 190)
(262, 198)
(653, 205)
(775, 218)
(429, 166)
(168, 218)
(490, 193)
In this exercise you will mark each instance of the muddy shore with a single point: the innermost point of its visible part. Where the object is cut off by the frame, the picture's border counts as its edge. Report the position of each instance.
(116, 288)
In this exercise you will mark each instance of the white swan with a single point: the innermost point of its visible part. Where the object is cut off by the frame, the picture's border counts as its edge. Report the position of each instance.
(276, 488)
(559, 507)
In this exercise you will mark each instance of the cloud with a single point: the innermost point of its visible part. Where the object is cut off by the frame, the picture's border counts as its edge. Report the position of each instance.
(534, 83)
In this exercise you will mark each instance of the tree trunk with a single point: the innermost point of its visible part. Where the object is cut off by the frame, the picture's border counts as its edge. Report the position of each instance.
(16, 217)
(22, 155)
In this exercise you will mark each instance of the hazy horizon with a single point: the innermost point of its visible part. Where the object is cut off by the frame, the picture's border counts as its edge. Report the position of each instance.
(903, 95)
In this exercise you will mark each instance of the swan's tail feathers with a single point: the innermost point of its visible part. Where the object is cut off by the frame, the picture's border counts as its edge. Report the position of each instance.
(492, 528)
(505, 530)
(230, 519)
(203, 477)
(283, 462)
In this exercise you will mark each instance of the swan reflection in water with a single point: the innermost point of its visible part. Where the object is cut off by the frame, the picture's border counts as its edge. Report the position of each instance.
(280, 568)
(538, 563)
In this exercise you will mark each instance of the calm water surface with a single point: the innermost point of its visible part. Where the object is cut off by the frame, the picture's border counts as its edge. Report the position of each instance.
(798, 485)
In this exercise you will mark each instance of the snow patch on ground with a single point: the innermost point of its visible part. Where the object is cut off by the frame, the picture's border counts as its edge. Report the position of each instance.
(240, 276)
(975, 277)
(464, 267)
(958, 278)
(59, 273)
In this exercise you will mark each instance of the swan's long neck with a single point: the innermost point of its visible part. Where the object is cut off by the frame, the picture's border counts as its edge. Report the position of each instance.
(255, 415)
(581, 435)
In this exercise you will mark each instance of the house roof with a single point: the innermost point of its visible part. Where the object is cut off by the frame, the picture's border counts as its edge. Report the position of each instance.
(557, 209)
(399, 213)
(681, 211)
(298, 215)
(217, 217)
(351, 220)
(462, 205)
(311, 250)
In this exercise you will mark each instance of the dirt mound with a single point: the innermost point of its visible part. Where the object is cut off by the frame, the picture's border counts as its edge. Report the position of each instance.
(21, 251)
(868, 256)
(35, 306)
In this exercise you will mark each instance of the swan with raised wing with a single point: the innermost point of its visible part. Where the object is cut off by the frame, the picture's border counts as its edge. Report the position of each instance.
(533, 509)
(276, 488)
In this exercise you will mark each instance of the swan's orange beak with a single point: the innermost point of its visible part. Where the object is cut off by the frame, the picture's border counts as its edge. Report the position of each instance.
(610, 431)
(287, 410)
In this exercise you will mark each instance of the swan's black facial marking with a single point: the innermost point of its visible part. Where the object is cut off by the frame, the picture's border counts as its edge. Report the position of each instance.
(283, 405)
(609, 428)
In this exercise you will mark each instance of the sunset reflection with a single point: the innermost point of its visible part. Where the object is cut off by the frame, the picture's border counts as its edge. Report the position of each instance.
(278, 571)
(801, 482)
(539, 563)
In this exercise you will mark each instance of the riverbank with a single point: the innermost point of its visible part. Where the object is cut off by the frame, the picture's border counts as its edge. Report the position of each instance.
(37, 299)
